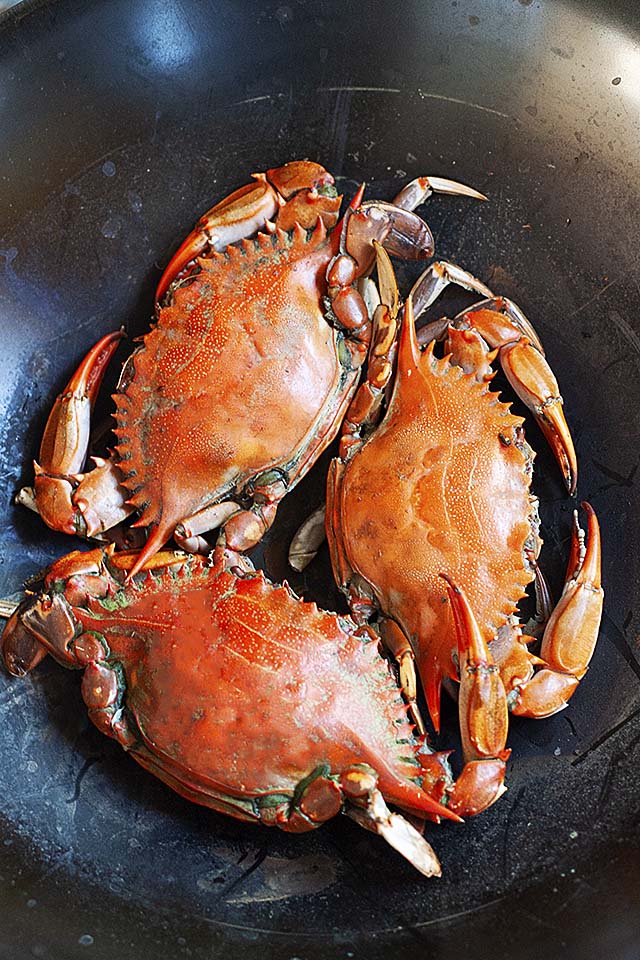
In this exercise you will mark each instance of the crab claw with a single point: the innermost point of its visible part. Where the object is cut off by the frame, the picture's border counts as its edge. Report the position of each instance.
(237, 216)
(63, 449)
(572, 631)
(484, 715)
(20, 650)
(532, 378)
(479, 785)
(41, 624)
(308, 539)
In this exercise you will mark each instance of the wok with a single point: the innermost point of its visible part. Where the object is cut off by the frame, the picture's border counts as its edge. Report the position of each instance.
(121, 122)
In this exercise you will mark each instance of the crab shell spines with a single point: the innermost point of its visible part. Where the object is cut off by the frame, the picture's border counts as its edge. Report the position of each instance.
(442, 484)
(239, 689)
(241, 374)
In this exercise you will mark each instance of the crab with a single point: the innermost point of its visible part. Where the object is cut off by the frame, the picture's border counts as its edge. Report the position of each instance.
(433, 530)
(260, 339)
(234, 692)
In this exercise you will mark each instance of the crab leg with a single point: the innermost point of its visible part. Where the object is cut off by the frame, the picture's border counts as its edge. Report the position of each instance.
(439, 275)
(66, 435)
(366, 405)
(532, 378)
(187, 533)
(483, 714)
(572, 631)
(433, 281)
(422, 188)
(237, 216)
(526, 370)
(403, 233)
(66, 499)
(19, 649)
(401, 650)
(36, 627)
(368, 809)
(308, 539)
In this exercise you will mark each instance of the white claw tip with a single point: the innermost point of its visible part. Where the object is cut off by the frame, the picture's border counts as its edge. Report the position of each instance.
(404, 838)
(27, 498)
(452, 187)
(398, 833)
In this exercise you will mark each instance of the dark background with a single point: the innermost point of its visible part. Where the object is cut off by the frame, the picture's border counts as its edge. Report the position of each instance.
(120, 122)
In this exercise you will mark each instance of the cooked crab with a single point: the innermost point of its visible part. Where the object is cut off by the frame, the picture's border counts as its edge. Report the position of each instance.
(234, 692)
(436, 483)
(246, 376)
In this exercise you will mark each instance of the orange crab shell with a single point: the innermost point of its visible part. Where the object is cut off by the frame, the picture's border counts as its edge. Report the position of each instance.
(242, 375)
(232, 690)
(441, 485)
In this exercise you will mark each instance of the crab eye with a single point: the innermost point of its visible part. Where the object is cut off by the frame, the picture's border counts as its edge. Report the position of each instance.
(327, 190)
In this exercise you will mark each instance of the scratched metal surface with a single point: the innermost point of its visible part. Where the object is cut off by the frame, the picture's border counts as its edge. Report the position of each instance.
(121, 122)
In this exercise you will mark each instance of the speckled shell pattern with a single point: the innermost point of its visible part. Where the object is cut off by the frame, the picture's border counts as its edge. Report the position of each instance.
(240, 374)
(442, 486)
(237, 688)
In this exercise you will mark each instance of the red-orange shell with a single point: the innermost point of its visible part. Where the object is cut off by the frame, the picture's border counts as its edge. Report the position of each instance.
(239, 689)
(241, 374)
(442, 486)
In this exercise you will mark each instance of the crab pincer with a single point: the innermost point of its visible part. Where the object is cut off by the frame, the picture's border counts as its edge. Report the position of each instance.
(303, 187)
(571, 633)
(67, 499)
(484, 714)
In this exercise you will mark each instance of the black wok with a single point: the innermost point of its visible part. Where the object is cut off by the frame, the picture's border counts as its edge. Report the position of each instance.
(121, 121)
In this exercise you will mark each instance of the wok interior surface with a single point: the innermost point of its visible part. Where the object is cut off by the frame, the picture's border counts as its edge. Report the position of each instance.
(121, 123)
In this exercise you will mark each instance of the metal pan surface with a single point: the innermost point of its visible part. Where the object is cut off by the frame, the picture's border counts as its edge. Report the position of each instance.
(120, 123)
